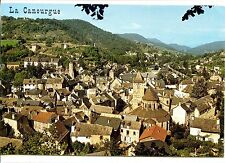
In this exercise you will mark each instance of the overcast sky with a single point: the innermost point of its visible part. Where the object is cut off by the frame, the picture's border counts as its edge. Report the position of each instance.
(161, 22)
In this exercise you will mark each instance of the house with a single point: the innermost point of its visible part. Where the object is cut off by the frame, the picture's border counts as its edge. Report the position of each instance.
(204, 107)
(185, 83)
(205, 129)
(42, 61)
(216, 77)
(115, 84)
(62, 94)
(29, 84)
(111, 122)
(60, 132)
(54, 83)
(19, 124)
(13, 65)
(153, 133)
(90, 133)
(130, 131)
(102, 109)
(35, 47)
(181, 114)
(13, 120)
(35, 94)
(44, 120)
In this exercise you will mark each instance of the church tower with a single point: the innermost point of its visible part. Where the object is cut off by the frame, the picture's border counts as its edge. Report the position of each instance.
(138, 89)
(71, 71)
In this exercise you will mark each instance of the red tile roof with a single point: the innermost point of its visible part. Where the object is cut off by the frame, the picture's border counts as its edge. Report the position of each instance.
(44, 117)
(155, 132)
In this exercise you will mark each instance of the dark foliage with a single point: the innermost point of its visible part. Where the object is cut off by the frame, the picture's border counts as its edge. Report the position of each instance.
(153, 150)
(199, 89)
(95, 10)
(193, 11)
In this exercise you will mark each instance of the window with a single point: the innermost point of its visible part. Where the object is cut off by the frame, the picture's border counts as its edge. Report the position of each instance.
(127, 132)
(101, 137)
(121, 130)
(134, 133)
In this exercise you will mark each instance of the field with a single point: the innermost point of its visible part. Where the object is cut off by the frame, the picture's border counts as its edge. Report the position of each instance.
(9, 42)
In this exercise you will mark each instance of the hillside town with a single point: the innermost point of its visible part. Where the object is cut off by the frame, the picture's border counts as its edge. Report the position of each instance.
(118, 110)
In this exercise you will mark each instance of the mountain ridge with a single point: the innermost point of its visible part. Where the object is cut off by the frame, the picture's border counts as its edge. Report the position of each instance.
(198, 50)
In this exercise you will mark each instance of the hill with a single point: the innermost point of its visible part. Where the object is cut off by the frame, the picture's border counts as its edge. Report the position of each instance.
(199, 50)
(134, 37)
(208, 48)
(76, 31)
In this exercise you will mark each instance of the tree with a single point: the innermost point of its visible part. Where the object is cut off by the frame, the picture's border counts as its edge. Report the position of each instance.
(112, 146)
(48, 42)
(178, 131)
(199, 89)
(152, 150)
(193, 11)
(205, 74)
(95, 10)
(40, 144)
(81, 149)
(8, 149)
(19, 77)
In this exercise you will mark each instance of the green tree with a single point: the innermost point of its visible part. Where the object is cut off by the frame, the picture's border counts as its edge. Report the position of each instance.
(112, 146)
(40, 144)
(199, 89)
(19, 77)
(8, 149)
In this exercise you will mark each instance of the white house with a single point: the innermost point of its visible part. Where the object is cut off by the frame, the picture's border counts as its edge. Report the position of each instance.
(181, 114)
(205, 129)
(130, 131)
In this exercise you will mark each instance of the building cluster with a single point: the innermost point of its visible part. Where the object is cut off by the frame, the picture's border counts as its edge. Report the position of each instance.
(121, 104)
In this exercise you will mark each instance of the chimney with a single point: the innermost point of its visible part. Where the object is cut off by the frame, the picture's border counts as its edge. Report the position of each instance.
(13, 116)
(72, 128)
(218, 121)
(66, 110)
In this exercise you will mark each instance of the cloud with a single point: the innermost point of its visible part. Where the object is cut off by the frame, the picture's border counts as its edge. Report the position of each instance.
(132, 26)
(135, 26)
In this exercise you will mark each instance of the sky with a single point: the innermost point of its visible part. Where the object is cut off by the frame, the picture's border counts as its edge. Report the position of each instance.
(150, 21)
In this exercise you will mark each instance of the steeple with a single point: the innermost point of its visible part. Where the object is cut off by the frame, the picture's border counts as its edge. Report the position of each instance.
(138, 78)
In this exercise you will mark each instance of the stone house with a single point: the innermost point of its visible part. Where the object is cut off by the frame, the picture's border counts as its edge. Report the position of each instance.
(55, 83)
(90, 133)
(44, 120)
(205, 129)
(204, 107)
(130, 131)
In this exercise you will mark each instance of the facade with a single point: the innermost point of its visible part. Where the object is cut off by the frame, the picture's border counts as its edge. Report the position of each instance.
(130, 131)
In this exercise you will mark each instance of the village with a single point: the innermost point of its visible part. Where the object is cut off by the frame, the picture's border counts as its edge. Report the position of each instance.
(116, 104)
